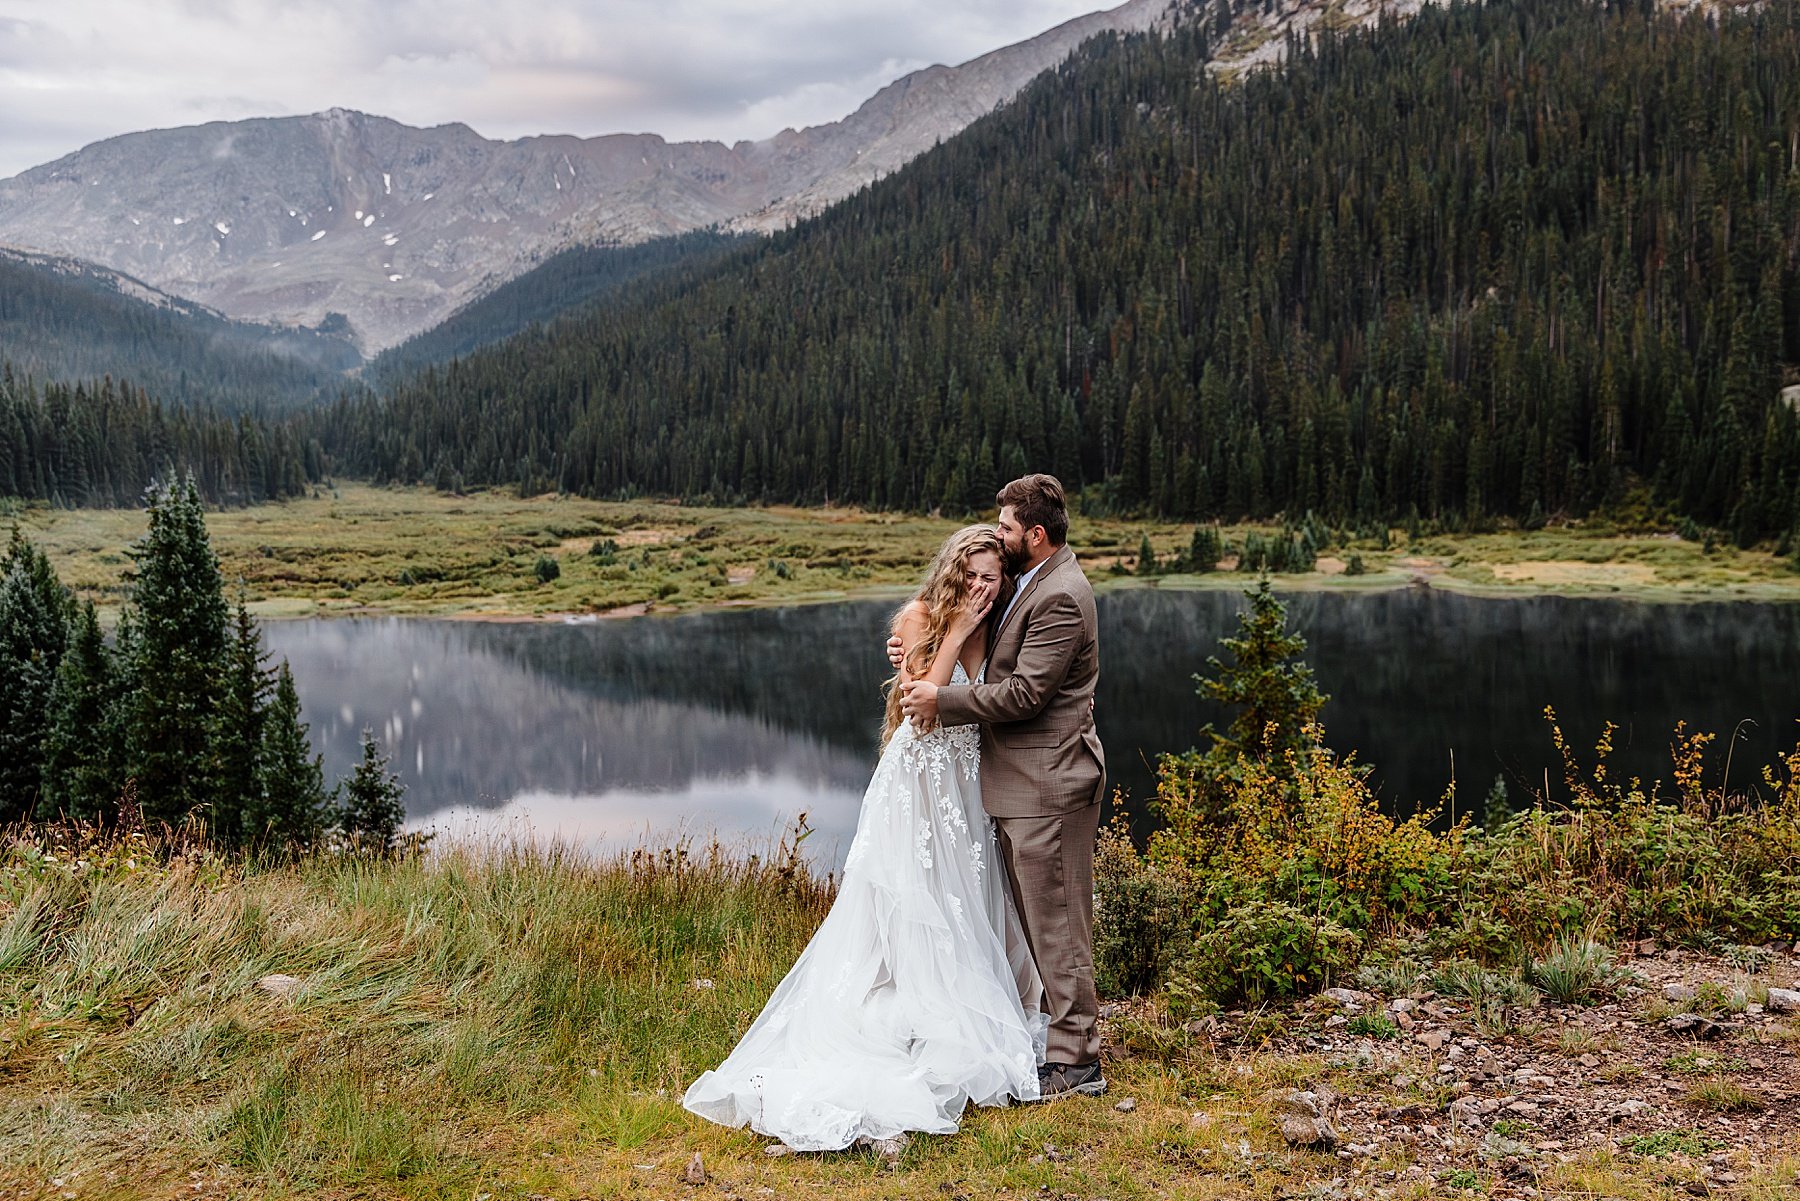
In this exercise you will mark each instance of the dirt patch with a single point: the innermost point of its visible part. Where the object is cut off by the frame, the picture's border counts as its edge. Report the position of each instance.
(1330, 566)
(740, 575)
(637, 610)
(1563, 571)
(1687, 1066)
(651, 537)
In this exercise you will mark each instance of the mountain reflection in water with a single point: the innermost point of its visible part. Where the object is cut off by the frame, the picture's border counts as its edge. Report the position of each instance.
(605, 732)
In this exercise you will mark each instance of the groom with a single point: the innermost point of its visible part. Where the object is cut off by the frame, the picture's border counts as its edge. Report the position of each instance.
(1043, 771)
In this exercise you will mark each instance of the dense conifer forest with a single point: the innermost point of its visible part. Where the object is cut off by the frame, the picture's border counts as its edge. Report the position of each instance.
(571, 279)
(66, 321)
(179, 718)
(1501, 259)
(102, 443)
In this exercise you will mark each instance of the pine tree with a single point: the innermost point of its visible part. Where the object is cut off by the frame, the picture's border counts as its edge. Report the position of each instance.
(31, 637)
(290, 808)
(1146, 560)
(1267, 680)
(1204, 551)
(178, 603)
(237, 736)
(370, 813)
(82, 763)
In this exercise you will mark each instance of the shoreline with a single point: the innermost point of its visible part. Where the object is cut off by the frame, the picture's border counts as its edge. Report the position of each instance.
(357, 550)
(280, 608)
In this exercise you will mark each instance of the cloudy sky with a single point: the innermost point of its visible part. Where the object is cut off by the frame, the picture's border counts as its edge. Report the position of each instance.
(75, 71)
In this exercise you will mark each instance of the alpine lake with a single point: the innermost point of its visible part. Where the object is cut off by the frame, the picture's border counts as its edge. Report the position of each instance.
(608, 734)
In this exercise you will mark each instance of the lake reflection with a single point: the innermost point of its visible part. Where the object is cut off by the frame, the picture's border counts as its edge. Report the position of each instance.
(735, 721)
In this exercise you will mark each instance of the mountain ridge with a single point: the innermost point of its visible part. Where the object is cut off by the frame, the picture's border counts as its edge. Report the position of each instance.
(249, 217)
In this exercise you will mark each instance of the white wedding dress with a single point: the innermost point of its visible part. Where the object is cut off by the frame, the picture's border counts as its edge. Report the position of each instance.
(905, 1006)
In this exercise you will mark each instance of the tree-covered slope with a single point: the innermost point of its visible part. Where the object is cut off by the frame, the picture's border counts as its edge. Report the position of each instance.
(563, 283)
(101, 443)
(65, 320)
(1496, 259)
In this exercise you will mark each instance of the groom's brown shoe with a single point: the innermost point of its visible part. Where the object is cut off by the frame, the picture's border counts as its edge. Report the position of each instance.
(1070, 1080)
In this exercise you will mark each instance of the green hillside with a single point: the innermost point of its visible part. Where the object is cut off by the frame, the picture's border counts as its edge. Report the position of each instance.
(65, 320)
(562, 283)
(1499, 260)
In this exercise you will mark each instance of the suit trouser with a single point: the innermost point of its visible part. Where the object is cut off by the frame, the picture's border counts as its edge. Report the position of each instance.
(1050, 862)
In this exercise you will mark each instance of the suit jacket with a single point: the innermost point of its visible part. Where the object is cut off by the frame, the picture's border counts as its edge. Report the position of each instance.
(1040, 754)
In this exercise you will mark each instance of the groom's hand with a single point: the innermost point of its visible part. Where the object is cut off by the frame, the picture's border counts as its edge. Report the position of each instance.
(918, 700)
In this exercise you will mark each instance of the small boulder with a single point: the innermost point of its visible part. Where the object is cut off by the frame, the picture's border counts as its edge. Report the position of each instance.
(1694, 1024)
(696, 1170)
(1312, 1133)
(1127, 1105)
(1297, 1102)
(1433, 1040)
(1783, 1000)
(1680, 994)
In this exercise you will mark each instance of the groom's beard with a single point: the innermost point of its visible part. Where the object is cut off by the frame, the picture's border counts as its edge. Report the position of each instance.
(1015, 558)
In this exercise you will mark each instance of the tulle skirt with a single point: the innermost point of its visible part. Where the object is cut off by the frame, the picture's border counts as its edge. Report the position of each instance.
(906, 1005)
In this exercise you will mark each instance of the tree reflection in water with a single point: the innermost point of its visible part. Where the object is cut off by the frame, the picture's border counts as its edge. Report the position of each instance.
(737, 720)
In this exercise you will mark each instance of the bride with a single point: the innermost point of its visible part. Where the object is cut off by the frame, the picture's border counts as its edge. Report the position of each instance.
(905, 1006)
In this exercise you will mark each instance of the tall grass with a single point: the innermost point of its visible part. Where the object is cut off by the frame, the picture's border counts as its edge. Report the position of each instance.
(476, 987)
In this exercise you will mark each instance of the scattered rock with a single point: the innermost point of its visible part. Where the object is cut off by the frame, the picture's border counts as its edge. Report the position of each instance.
(1626, 1110)
(696, 1170)
(1465, 1108)
(1127, 1105)
(774, 1149)
(1525, 1109)
(279, 986)
(1404, 1005)
(1297, 1102)
(1301, 1131)
(1784, 1000)
(1433, 1040)
(700, 983)
(891, 1149)
(1349, 998)
(1694, 1024)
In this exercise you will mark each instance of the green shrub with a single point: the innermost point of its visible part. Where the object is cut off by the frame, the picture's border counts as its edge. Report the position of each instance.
(1264, 950)
(1142, 918)
(547, 569)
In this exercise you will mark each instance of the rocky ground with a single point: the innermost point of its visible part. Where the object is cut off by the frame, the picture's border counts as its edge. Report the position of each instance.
(1684, 1065)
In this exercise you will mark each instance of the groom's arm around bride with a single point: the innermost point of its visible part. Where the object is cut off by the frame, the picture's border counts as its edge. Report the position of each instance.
(1043, 771)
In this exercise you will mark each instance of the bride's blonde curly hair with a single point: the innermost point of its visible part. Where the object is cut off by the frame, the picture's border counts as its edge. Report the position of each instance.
(941, 593)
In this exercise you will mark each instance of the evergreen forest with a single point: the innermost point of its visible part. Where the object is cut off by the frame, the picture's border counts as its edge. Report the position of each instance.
(101, 443)
(571, 279)
(1502, 259)
(178, 719)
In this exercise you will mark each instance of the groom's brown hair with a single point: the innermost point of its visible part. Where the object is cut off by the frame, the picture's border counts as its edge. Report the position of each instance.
(1038, 500)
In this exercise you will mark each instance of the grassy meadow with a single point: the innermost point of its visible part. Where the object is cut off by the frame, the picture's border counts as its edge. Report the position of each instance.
(517, 1023)
(357, 548)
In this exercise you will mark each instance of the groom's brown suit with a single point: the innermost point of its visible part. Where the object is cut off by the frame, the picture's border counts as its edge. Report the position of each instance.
(1043, 773)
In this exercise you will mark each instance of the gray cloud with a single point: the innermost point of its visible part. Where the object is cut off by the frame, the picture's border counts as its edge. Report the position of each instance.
(77, 71)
